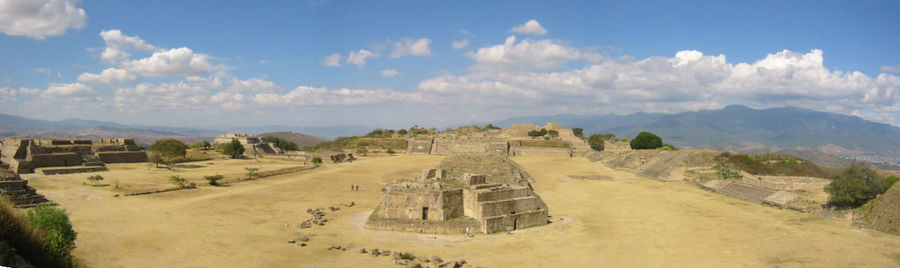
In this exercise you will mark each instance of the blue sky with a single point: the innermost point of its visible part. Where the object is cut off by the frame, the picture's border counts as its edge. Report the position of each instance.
(264, 62)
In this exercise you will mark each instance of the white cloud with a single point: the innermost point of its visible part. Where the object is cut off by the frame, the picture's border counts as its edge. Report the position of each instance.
(173, 62)
(164, 96)
(460, 44)
(312, 96)
(418, 47)
(389, 73)
(40, 18)
(118, 45)
(890, 69)
(42, 70)
(68, 90)
(108, 76)
(333, 60)
(359, 57)
(531, 27)
(252, 85)
(525, 54)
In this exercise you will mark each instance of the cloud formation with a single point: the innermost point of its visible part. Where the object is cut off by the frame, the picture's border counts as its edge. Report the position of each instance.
(108, 76)
(418, 47)
(460, 44)
(118, 45)
(530, 27)
(359, 57)
(68, 90)
(389, 73)
(524, 54)
(40, 18)
(333, 60)
(173, 62)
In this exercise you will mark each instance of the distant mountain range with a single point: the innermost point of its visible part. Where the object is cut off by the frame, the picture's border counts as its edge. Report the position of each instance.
(17, 126)
(739, 128)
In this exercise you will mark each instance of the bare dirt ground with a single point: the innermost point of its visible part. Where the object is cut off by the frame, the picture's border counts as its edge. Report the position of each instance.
(627, 221)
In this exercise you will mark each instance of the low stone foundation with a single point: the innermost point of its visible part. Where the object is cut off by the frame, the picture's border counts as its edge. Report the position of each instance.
(457, 226)
(69, 170)
(122, 157)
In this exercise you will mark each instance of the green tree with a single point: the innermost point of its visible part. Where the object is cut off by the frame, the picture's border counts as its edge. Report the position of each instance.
(178, 181)
(317, 160)
(58, 235)
(233, 149)
(156, 159)
(490, 126)
(553, 133)
(597, 141)
(578, 132)
(646, 140)
(214, 179)
(402, 132)
(854, 185)
(201, 145)
(376, 133)
(169, 149)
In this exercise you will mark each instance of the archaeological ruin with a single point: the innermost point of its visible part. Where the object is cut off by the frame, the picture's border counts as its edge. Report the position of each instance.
(252, 145)
(67, 156)
(485, 193)
(512, 141)
(17, 190)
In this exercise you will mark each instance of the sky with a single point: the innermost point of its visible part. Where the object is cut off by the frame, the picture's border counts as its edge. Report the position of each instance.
(396, 64)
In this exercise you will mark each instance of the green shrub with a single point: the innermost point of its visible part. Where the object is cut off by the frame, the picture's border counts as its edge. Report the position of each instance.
(597, 141)
(58, 235)
(214, 179)
(728, 173)
(201, 145)
(233, 149)
(178, 180)
(888, 182)
(855, 185)
(407, 256)
(646, 140)
(317, 160)
(251, 172)
(389, 151)
(169, 148)
(578, 132)
(553, 133)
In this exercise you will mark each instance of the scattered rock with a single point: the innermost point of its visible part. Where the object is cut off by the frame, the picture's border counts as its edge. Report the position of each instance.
(291, 241)
(350, 204)
(436, 259)
(362, 250)
(422, 259)
(304, 238)
(303, 244)
(334, 208)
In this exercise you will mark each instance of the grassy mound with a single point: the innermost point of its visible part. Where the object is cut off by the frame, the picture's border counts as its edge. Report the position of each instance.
(883, 213)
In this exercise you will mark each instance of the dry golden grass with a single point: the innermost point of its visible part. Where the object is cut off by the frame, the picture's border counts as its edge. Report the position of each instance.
(628, 221)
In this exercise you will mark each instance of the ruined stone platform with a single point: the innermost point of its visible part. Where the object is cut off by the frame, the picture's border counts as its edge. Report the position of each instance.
(17, 190)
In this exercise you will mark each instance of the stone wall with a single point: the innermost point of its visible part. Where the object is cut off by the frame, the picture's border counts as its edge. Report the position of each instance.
(122, 157)
(55, 160)
(428, 227)
(616, 146)
(541, 151)
(514, 221)
(419, 145)
(787, 183)
(409, 204)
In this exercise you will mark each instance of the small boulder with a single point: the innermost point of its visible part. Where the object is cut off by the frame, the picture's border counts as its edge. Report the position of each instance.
(304, 238)
(291, 241)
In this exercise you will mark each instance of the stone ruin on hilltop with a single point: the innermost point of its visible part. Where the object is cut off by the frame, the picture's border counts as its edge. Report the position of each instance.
(17, 190)
(252, 145)
(483, 192)
(67, 156)
(512, 141)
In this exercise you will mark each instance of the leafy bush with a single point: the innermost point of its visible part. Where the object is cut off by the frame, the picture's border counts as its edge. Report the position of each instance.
(214, 179)
(27, 239)
(728, 173)
(855, 185)
(553, 133)
(58, 235)
(407, 256)
(489, 126)
(646, 140)
(178, 181)
(251, 171)
(389, 151)
(317, 160)
(402, 132)
(888, 182)
(233, 149)
(668, 147)
(597, 141)
(204, 145)
(578, 132)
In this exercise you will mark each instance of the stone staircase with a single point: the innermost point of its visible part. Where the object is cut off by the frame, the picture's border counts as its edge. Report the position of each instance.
(18, 191)
(91, 160)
